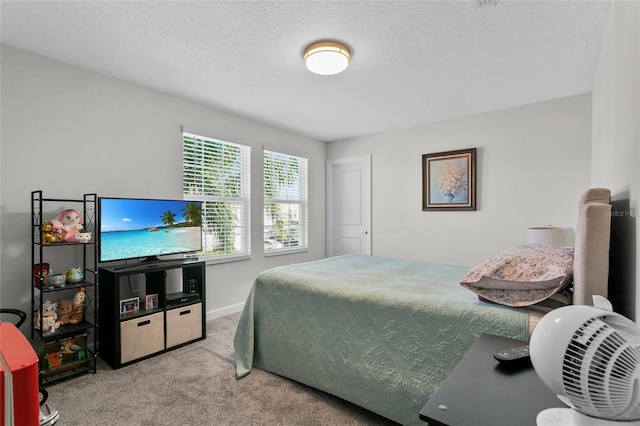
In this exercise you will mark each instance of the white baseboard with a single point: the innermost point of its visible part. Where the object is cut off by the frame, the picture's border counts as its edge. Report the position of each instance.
(223, 312)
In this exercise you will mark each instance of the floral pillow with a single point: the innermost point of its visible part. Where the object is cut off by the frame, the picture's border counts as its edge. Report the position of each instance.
(522, 276)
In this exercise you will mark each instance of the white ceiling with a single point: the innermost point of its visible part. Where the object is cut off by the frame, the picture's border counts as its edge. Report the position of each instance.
(413, 62)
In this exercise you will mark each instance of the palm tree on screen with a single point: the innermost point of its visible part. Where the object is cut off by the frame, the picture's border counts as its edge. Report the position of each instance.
(168, 218)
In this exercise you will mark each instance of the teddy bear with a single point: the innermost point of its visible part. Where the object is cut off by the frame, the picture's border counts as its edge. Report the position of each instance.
(50, 235)
(72, 311)
(71, 221)
(65, 310)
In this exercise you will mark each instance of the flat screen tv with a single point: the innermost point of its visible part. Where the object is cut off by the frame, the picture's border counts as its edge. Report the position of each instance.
(137, 228)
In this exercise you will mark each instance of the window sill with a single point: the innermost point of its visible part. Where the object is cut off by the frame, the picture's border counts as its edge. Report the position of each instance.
(278, 252)
(216, 260)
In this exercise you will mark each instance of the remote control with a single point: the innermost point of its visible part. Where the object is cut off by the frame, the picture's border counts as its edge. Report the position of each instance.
(513, 356)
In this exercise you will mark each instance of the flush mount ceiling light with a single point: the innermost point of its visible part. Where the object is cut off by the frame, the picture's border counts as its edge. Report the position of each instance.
(483, 3)
(327, 57)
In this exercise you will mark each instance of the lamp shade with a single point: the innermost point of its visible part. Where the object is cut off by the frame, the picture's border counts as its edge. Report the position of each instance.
(551, 235)
(327, 57)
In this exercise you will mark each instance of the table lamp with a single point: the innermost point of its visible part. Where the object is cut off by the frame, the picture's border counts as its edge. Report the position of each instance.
(551, 235)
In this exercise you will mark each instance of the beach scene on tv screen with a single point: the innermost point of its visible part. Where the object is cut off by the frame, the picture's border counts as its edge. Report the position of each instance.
(131, 228)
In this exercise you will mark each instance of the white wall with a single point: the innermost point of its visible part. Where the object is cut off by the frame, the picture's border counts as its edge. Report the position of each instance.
(616, 145)
(532, 167)
(69, 131)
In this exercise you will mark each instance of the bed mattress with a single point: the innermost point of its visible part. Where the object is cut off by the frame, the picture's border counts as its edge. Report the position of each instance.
(381, 333)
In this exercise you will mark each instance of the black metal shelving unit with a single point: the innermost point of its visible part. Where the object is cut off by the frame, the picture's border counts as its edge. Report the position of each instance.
(71, 349)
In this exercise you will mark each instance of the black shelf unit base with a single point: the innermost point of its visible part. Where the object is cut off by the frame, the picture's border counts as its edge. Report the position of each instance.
(129, 337)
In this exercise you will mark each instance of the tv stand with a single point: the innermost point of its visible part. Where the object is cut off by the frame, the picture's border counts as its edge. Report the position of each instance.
(129, 336)
(151, 262)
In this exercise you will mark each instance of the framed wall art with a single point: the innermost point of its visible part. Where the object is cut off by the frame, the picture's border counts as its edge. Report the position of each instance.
(449, 180)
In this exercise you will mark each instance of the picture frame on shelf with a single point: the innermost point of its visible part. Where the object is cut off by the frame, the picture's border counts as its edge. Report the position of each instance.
(129, 305)
(449, 180)
(151, 301)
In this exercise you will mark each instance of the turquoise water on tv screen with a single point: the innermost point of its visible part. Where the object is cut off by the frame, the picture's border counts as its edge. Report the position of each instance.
(143, 243)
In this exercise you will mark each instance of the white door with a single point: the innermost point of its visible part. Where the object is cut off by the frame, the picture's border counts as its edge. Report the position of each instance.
(349, 206)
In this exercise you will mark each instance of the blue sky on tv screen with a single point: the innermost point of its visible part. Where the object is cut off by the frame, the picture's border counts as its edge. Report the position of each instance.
(130, 214)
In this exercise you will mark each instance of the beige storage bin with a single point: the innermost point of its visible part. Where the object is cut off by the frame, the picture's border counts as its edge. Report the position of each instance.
(141, 336)
(184, 324)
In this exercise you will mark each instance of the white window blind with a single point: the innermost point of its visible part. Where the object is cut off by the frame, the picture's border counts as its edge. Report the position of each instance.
(218, 173)
(285, 203)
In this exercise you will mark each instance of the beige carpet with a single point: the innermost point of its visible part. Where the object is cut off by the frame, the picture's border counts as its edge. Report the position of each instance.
(196, 385)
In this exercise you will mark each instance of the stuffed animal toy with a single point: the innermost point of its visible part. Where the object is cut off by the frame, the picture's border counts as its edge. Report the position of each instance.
(79, 297)
(77, 314)
(50, 323)
(71, 220)
(65, 310)
(49, 234)
(57, 227)
(72, 311)
(47, 307)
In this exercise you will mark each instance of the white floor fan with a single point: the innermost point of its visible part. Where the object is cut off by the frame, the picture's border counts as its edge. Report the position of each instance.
(590, 357)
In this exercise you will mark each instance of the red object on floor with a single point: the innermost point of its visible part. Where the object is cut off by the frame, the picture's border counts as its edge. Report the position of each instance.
(22, 366)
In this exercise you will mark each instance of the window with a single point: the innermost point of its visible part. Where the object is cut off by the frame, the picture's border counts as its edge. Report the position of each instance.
(218, 173)
(285, 203)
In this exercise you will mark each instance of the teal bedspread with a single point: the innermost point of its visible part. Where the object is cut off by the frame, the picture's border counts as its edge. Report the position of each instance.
(380, 333)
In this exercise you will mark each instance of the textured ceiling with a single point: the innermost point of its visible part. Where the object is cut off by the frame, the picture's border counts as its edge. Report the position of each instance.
(413, 62)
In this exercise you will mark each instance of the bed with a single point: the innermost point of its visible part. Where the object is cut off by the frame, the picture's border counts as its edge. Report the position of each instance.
(385, 333)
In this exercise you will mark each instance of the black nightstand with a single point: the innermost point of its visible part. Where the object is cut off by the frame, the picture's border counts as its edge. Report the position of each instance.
(480, 392)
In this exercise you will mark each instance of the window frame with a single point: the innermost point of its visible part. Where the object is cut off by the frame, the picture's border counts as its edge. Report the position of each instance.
(302, 200)
(243, 199)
